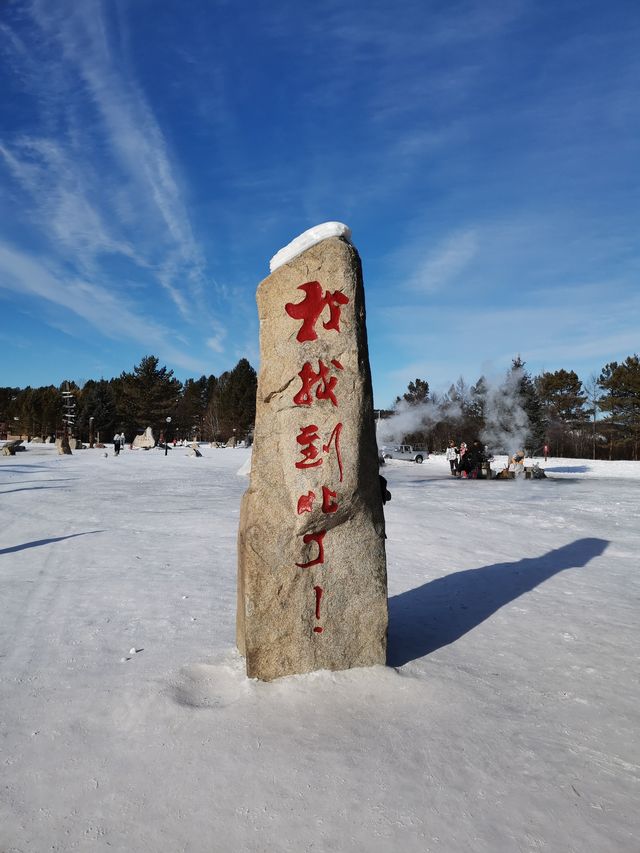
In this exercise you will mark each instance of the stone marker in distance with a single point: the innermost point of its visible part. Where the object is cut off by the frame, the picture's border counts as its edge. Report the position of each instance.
(312, 586)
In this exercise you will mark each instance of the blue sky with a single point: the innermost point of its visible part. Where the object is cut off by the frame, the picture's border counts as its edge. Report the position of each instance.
(154, 155)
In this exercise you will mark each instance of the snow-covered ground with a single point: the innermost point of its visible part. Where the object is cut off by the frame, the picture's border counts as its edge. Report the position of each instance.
(507, 720)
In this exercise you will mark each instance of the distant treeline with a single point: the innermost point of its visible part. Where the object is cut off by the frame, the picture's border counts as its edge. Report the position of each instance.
(599, 418)
(211, 408)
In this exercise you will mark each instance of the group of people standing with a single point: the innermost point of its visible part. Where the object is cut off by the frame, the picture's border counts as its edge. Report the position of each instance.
(119, 442)
(466, 462)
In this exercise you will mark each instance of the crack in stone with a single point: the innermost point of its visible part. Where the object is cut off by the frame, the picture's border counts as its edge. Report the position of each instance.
(269, 397)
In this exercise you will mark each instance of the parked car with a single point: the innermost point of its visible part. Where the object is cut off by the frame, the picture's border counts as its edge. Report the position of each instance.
(405, 451)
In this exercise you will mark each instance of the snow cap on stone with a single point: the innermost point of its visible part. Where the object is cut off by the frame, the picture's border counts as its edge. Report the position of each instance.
(307, 239)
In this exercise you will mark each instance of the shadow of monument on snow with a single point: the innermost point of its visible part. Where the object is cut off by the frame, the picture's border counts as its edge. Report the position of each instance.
(436, 614)
(38, 542)
(29, 489)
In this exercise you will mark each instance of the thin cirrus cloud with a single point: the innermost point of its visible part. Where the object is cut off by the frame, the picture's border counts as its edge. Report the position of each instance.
(97, 306)
(59, 193)
(442, 264)
(98, 182)
(548, 333)
(215, 342)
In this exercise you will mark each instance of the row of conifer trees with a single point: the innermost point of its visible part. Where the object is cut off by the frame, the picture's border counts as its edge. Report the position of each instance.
(597, 418)
(211, 408)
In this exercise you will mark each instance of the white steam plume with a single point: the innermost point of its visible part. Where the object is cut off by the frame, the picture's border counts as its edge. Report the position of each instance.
(409, 418)
(506, 422)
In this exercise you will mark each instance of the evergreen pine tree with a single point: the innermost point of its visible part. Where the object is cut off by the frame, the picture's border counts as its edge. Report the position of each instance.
(236, 400)
(148, 395)
(191, 408)
(623, 385)
(417, 392)
(98, 402)
(530, 402)
(610, 402)
(562, 402)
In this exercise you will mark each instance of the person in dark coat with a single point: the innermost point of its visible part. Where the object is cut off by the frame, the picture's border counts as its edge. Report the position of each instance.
(384, 491)
(471, 462)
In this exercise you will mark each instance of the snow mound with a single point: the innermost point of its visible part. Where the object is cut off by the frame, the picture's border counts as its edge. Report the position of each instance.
(307, 239)
(245, 469)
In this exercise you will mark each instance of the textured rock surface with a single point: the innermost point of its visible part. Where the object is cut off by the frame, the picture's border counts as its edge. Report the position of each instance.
(312, 590)
(146, 440)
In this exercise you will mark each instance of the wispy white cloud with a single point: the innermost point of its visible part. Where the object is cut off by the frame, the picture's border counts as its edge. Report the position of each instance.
(96, 185)
(14, 341)
(443, 264)
(14, 46)
(567, 328)
(215, 343)
(45, 170)
(103, 310)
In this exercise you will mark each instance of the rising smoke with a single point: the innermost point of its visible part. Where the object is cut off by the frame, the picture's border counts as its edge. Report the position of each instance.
(410, 418)
(506, 422)
(506, 426)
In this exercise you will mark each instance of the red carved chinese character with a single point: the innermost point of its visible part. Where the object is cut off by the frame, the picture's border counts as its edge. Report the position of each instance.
(305, 502)
(310, 379)
(318, 539)
(334, 301)
(312, 306)
(307, 440)
(329, 505)
(335, 440)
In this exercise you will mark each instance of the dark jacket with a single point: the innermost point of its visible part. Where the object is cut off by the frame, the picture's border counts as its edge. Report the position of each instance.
(473, 459)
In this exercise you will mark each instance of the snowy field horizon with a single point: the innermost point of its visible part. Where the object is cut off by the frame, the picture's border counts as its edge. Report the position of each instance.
(506, 719)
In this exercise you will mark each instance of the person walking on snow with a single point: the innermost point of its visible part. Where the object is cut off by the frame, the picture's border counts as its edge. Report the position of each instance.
(116, 444)
(451, 455)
